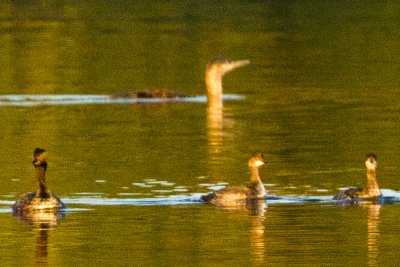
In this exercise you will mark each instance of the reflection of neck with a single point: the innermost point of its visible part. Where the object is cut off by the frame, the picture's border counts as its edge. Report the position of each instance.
(214, 105)
(41, 182)
(257, 241)
(214, 135)
(373, 234)
(41, 245)
(372, 184)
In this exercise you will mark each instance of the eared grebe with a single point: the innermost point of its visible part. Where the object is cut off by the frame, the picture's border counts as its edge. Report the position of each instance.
(232, 195)
(42, 199)
(214, 72)
(371, 192)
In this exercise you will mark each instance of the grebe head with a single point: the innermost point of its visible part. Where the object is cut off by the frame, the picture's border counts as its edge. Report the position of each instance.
(371, 163)
(39, 158)
(256, 160)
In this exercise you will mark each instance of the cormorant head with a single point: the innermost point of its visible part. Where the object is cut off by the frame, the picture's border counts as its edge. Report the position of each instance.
(214, 72)
(371, 161)
(222, 65)
(256, 160)
(39, 158)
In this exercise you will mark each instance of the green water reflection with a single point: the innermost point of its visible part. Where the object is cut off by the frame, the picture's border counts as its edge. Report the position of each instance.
(201, 235)
(321, 92)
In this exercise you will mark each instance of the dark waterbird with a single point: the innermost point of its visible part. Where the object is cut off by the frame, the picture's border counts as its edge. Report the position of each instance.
(42, 199)
(215, 70)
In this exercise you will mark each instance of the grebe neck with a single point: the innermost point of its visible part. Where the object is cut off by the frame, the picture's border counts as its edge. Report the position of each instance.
(372, 184)
(41, 190)
(257, 187)
(254, 175)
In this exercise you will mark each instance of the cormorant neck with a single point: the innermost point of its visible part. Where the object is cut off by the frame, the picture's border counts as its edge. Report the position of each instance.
(214, 86)
(41, 190)
(372, 184)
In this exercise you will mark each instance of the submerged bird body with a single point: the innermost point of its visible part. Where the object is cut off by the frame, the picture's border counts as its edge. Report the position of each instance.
(214, 72)
(371, 192)
(41, 199)
(149, 93)
(237, 195)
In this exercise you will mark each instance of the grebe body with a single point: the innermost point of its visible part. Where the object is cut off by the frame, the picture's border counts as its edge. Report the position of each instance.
(371, 192)
(42, 198)
(237, 195)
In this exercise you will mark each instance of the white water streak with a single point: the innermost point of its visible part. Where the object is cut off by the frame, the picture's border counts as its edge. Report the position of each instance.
(51, 100)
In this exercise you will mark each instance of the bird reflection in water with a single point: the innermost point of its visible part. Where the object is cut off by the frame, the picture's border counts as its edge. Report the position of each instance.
(373, 234)
(373, 209)
(256, 210)
(41, 244)
(41, 221)
(214, 133)
(257, 231)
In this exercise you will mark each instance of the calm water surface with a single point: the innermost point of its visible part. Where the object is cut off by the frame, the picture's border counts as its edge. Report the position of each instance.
(321, 92)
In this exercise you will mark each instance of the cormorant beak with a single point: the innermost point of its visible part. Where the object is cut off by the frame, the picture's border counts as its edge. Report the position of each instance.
(235, 64)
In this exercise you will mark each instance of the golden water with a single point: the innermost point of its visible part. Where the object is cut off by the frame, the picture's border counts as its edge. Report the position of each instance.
(321, 92)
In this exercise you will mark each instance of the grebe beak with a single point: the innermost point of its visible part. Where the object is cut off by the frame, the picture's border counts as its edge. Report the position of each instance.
(259, 163)
(39, 156)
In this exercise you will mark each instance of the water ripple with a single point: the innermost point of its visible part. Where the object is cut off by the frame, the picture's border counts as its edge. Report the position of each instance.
(390, 196)
(39, 100)
(159, 201)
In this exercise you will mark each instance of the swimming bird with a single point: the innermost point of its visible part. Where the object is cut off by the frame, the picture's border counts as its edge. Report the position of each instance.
(215, 70)
(42, 198)
(237, 195)
(371, 192)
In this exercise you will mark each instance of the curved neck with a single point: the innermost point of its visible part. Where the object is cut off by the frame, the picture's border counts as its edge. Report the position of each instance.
(372, 184)
(214, 87)
(258, 188)
(41, 190)
(254, 175)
